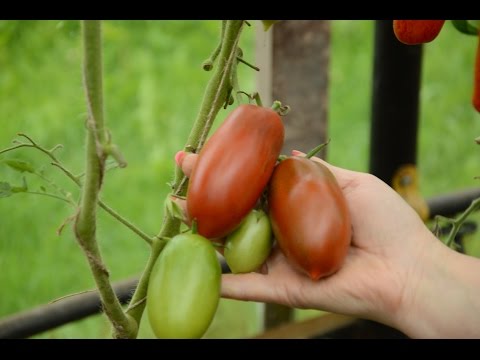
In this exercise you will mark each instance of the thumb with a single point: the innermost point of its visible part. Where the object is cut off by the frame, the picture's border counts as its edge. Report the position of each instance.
(186, 161)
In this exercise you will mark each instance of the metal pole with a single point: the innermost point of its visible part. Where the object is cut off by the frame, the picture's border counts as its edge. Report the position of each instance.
(395, 102)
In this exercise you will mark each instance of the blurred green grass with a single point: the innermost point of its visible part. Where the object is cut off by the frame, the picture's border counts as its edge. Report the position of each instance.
(153, 87)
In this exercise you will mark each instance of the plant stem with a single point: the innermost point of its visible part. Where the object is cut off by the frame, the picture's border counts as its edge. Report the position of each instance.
(136, 311)
(458, 222)
(57, 163)
(256, 68)
(85, 222)
(125, 222)
(208, 64)
(214, 97)
(50, 195)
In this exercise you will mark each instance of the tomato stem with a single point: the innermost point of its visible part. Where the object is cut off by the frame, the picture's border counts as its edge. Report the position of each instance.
(248, 64)
(234, 79)
(194, 226)
(458, 222)
(316, 150)
(208, 64)
(86, 218)
(256, 96)
(215, 95)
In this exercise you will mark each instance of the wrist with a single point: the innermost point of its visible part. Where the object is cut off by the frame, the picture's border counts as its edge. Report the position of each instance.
(442, 297)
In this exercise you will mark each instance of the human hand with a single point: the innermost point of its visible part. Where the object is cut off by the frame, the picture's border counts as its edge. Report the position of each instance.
(388, 250)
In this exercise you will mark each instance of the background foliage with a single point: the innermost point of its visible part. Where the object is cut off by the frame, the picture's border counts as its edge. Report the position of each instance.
(153, 87)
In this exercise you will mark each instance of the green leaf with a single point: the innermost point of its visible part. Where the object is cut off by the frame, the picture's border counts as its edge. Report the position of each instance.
(43, 189)
(465, 26)
(23, 188)
(20, 165)
(5, 189)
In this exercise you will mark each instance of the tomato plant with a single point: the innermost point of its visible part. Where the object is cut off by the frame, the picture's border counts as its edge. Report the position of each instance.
(247, 248)
(310, 217)
(233, 168)
(413, 32)
(184, 288)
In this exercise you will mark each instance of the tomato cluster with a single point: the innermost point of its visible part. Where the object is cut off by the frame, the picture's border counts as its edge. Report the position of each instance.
(306, 213)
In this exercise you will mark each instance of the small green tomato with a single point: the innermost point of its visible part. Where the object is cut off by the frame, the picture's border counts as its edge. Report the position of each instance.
(247, 248)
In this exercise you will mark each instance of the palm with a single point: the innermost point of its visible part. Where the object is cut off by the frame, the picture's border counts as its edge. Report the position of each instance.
(372, 269)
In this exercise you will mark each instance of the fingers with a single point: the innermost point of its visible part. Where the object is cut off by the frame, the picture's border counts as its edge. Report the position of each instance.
(186, 161)
(343, 176)
(247, 287)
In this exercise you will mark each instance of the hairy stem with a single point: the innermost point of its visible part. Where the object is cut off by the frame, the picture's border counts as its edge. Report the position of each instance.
(85, 222)
(214, 97)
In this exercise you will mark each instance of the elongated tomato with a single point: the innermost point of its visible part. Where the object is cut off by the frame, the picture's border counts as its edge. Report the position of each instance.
(184, 288)
(233, 168)
(310, 217)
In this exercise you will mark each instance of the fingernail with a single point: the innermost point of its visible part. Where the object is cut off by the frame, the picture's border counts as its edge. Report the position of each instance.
(179, 156)
(296, 153)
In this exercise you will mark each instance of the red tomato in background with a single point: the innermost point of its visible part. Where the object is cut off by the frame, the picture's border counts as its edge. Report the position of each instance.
(310, 217)
(233, 168)
(412, 32)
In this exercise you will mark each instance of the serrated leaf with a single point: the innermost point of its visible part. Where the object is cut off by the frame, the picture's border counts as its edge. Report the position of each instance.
(5, 189)
(465, 27)
(20, 165)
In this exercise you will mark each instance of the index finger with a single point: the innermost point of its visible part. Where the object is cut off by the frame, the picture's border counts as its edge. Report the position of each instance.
(343, 176)
(186, 161)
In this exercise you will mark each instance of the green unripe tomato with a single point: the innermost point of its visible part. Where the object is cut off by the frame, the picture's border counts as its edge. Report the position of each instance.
(184, 288)
(249, 245)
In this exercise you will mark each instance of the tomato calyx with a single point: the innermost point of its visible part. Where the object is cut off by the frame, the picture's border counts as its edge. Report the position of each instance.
(309, 155)
(173, 208)
(316, 149)
(280, 109)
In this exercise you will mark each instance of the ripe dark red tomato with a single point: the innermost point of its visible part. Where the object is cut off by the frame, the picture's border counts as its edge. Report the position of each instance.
(310, 217)
(412, 32)
(233, 168)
